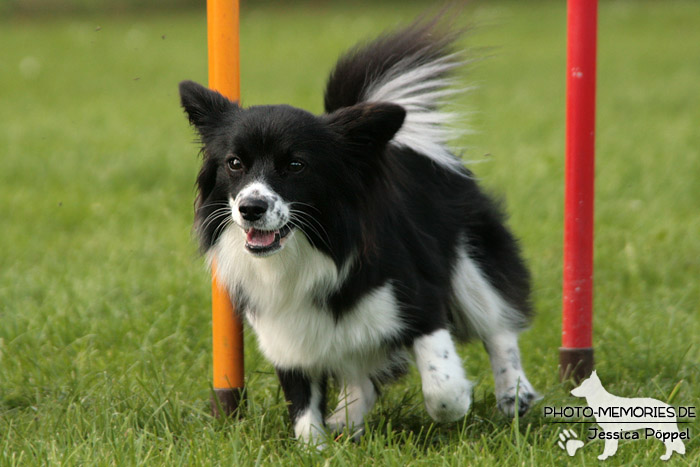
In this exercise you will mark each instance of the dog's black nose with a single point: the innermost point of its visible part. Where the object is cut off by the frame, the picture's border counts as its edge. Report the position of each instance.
(252, 209)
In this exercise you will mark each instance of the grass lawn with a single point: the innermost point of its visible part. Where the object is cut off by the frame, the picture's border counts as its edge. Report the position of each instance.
(104, 301)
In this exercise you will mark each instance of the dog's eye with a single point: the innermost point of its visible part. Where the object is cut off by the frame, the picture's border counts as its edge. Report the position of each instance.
(296, 166)
(234, 164)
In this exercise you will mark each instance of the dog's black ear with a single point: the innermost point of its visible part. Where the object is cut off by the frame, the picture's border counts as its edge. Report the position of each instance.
(368, 124)
(206, 109)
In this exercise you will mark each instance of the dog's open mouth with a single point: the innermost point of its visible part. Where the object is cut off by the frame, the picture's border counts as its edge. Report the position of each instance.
(265, 242)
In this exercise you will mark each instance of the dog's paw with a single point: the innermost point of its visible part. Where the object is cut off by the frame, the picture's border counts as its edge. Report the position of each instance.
(311, 433)
(520, 399)
(448, 403)
(337, 424)
(314, 440)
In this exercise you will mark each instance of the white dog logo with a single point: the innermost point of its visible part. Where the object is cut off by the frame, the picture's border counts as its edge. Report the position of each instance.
(617, 415)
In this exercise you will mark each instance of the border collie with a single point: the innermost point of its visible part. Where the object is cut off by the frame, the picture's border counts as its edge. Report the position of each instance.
(351, 239)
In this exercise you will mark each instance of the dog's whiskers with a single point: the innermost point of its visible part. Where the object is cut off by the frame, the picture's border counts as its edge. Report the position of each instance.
(215, 203)
(221, 227)
(301, 226)
(305, 216)
(303, 220)
(305, 204)
(215, 215)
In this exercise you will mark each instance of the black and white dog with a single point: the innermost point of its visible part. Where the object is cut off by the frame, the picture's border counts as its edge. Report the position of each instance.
(352, 238)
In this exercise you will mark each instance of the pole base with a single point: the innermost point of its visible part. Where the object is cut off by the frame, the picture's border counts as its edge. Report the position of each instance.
(228, 402)
(575, 364)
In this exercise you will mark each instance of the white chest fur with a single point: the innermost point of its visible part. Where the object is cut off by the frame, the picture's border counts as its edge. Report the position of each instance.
(292, 329)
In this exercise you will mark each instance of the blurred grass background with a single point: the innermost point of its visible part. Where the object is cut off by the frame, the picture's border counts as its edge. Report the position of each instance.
(104, 319)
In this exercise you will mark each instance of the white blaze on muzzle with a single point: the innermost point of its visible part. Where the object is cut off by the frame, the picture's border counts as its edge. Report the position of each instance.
(264, 217)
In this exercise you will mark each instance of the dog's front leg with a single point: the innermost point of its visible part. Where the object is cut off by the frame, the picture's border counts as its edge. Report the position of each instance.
(446, 390)
(357, 397)
(306, 399)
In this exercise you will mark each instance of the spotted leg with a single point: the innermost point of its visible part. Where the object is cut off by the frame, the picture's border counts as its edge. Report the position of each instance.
(513, 390)
(446, 390)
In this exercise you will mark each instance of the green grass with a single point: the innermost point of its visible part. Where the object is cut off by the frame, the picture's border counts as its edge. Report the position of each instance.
(104, 320)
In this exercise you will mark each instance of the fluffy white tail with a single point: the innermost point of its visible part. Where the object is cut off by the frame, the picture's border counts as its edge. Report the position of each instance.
(413, 67)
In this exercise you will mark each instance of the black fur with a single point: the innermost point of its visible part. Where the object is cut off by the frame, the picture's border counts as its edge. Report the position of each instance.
(362, 66)
(406, 216)
(354, 180)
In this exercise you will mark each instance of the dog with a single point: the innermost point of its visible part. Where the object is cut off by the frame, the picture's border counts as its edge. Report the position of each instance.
(657, 418)
(351, 239)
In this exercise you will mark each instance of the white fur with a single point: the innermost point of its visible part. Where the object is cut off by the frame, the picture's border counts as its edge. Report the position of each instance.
(309, 425)
(276, 216)
(478, 305)
(292, 329)
(446, 391)
(508, 375)
(480, 308)
(420, 91)
(356, 400)
(284, 296)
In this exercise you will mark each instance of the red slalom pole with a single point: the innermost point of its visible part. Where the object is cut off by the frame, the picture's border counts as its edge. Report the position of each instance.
(227, 328)
(576, 352)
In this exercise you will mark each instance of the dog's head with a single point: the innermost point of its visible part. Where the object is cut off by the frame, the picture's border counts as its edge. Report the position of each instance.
(276, 170)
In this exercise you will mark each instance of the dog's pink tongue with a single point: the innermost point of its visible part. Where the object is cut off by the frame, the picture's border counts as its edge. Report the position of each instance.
(260, 237)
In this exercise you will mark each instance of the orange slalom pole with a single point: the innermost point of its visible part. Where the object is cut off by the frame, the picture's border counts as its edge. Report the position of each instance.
(227, 328)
